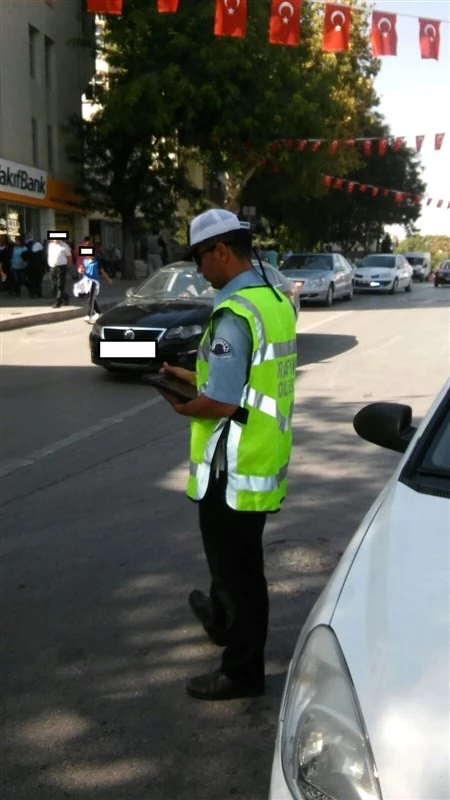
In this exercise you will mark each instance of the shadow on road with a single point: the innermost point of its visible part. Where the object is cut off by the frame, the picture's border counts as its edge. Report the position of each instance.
(100, 553)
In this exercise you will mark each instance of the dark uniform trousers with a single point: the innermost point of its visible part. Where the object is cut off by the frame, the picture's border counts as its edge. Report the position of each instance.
(58, 275)
(239, 601)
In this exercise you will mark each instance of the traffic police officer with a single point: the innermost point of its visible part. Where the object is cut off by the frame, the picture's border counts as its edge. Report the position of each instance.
(240, 447)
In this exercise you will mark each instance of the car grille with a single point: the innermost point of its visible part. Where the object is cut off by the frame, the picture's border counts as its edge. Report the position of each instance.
(140, 334)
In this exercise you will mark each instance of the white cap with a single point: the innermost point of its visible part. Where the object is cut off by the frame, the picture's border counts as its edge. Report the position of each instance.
(213, 223)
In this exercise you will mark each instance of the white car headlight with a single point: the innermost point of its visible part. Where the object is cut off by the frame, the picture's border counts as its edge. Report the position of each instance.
(325, 749)
(184, 332)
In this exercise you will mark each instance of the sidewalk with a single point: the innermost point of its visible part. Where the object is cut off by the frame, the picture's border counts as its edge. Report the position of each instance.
(24, 311)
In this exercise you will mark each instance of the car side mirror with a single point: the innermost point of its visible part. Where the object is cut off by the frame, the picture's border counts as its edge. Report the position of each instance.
(130, 292)
(385, 424)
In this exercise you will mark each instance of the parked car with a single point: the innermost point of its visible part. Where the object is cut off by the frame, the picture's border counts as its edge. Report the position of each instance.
(365, 711)
(383, 272)
(421, 264)
(320, 277)
(442, 274)
(172, 309)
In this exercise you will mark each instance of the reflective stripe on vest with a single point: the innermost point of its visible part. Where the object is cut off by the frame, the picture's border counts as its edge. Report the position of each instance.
(269, 406)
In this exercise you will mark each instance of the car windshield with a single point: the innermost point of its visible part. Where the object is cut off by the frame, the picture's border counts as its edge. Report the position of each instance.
(176, 283)
(309, 261)
(378, 261)
(415, 261)
(445, 265)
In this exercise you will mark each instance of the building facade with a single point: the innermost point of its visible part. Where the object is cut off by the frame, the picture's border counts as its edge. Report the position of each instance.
(43, 73)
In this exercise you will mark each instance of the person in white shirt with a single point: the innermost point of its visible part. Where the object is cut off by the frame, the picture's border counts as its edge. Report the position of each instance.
(59, 258)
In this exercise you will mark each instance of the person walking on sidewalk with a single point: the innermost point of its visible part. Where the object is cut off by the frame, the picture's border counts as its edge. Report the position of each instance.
(59, 258)
(33, 255)
(241, 441)
(18, 266)
(91, 270)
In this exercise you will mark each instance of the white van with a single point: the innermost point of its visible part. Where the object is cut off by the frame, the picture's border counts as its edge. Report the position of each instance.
(421, 264)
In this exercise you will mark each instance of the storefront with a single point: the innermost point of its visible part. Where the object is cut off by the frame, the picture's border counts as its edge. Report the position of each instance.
(31, 202)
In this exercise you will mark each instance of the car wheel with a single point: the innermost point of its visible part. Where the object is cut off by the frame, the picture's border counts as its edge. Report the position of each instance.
(409, 287)
(330, 295)
(394, 287)
(350, 293)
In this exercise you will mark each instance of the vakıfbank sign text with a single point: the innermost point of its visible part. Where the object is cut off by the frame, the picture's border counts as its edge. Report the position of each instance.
(22, 180)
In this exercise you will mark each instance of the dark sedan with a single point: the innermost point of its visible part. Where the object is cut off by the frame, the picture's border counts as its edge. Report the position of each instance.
(169, 312)
(442, 274)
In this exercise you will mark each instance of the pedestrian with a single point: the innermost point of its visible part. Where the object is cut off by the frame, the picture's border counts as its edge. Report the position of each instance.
(18, 266)
(33, 255)
(59, 258)
(91, 270)
(78, 258)
(272, 255)
(240, 447)
(6, 248)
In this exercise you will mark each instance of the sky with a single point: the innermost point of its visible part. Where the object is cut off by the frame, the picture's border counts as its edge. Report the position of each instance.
(415, 100)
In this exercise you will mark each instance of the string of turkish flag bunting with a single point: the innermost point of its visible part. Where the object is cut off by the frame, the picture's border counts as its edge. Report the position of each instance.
(284, 24)
(342, 183)
(370, 146)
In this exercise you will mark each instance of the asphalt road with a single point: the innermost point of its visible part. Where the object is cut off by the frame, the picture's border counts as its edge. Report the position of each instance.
(100, 549)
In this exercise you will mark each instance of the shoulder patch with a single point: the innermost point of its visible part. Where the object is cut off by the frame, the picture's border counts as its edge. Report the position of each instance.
(220, 347)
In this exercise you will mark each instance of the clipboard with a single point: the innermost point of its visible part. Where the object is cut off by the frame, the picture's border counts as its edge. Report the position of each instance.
(182, 390)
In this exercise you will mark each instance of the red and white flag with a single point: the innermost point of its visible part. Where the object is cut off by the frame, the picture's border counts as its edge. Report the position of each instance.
(336, 28)
(167, 6)
(438, 139)
(327, 180)
(382, 147)
(105, 6)
(231, 18)
(315, 145)
(386, 192)
(399, 197)
(284, 25)
(429, 38)
(338, 183)
(419, 143)
(448, 205)
(333, 146)
(350, 186)
(439, 203)
(367, 147)
(301, 144)
(384, 33)
(398, 144)
(375, 191)
(429, 201)
(362, 187)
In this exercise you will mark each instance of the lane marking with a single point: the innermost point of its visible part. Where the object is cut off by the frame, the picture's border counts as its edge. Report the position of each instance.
(324, 321)
(20, 463)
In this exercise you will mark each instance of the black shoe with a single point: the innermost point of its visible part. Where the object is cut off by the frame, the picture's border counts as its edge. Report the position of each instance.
(199, 603)
(216, 686)
(57, 305)
(66, 300)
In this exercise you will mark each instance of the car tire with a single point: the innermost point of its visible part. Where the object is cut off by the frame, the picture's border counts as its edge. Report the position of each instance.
(409, 287)
(394, 287)
(330, 296)
(349, 295)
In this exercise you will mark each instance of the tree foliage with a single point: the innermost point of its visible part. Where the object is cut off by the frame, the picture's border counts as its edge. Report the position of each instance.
(438, 246)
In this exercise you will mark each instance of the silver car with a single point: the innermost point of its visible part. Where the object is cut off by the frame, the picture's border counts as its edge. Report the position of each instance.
(320, 277)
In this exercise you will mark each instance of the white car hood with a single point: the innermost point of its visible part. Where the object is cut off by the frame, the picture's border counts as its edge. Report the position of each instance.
(377, 271)
(392, 620)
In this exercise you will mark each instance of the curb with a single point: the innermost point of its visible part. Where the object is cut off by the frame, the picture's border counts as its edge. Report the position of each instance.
(49, 317)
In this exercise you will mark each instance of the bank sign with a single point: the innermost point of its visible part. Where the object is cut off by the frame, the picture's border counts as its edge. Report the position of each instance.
(23, 180)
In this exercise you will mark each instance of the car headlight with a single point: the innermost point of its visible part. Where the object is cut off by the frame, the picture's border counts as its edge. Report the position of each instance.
(184, 332)
(325, 749)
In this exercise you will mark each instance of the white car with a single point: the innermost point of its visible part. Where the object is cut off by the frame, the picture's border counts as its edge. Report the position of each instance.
(366, 708)
(383, 272)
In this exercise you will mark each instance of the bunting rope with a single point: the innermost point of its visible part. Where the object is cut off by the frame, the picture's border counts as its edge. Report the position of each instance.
(394, 142)
(330, 182)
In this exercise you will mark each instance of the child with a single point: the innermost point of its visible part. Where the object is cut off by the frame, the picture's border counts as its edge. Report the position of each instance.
(89, 284)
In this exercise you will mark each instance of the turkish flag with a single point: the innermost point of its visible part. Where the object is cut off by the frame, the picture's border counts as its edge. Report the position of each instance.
(398, 144)
(419, 143)
(167, 6)
(338, 183)
(399, 197)
(439, 204)
(301, 144)
(429, 201)
(327, 180)
(448, 205)
(288, 143)
(438, 139)
(384, 34)
(349, 141)
(386, 192)
(362, 187)
(429, 38)
(231, 18)
(315, 145)
(375, 191)
(417, 200)
(105, 6)
(350, 186)
(284, 26)
(382, 147)
(336, 28)
(333, 147)
(367, 147)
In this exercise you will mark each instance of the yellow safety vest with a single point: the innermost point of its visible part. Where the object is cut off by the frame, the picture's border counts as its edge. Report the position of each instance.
(257, 452)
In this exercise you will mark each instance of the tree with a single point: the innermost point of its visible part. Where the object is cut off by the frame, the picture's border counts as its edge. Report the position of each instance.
(438, 246)
(175, 91)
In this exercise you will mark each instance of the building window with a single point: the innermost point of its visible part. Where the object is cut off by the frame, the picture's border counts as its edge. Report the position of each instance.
(32, 45)
(48, 62)
(50, 158)
(34, 141)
